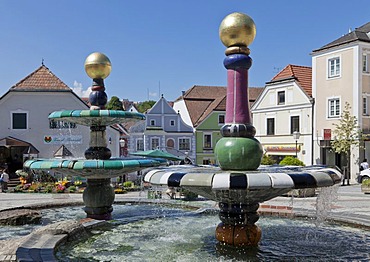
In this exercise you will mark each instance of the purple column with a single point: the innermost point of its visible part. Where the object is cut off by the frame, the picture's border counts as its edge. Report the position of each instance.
(237, 102)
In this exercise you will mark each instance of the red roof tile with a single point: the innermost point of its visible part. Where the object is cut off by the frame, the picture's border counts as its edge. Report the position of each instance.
(302, 74)
(42, 79)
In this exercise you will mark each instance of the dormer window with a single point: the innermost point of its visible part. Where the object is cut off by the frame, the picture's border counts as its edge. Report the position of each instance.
(281, 97)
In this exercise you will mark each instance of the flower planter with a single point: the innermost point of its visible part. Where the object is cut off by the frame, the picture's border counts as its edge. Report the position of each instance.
(365, 189)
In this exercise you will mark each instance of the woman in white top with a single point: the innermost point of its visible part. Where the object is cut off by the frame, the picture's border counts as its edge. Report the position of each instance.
(4, 179)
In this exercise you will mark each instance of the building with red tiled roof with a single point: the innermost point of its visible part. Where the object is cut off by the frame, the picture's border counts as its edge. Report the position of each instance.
(302, 74)
(286, 106)
(203, 108)
(24, 111)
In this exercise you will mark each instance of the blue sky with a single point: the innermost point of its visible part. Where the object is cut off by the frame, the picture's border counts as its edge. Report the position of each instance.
(163, 46)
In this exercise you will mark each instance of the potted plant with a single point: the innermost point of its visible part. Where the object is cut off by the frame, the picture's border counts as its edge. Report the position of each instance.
(365, 186)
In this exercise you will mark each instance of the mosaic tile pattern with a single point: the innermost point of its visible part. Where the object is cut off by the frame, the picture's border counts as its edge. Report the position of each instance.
(243, 186)
(96, 117)
(94, 168)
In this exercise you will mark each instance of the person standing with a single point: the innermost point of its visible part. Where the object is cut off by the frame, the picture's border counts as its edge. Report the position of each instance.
(4, 179)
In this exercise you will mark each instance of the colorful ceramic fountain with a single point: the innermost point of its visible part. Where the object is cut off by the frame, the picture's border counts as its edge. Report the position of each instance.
(239, 185)
(98, 166)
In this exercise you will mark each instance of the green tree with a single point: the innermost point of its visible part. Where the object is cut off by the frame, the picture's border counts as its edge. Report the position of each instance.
(347, 134)
(142, 107)
(114, 104)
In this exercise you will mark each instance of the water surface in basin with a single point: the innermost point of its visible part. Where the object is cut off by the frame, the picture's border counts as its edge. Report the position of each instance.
(175, 235)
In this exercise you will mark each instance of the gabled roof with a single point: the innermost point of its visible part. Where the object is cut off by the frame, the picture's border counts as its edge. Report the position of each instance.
(359, 34)
(201, 101)
(302, 74)
(42, 79)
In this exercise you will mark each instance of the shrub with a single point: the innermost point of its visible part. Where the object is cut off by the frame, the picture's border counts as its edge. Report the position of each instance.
(48, 188)
(267, 160)
(291, 161)
(366, 182)
(128, 184)
(71, 189)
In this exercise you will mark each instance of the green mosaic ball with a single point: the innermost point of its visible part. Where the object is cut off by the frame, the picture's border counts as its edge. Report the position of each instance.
(238, 153)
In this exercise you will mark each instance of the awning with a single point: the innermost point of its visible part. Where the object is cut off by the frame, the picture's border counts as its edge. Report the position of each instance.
(157, 154)
(10, 141)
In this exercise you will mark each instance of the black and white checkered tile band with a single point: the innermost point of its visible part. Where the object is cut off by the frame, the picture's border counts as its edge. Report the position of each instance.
(214, 179)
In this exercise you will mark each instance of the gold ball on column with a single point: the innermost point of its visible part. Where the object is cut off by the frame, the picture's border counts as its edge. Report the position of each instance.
(237, 29)
(98, 65)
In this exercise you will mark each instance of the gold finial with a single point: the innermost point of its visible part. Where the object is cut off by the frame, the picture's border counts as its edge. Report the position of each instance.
(97, 65)
(237, 29)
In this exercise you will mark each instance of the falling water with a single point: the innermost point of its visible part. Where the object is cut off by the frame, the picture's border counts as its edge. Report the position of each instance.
(324, 202)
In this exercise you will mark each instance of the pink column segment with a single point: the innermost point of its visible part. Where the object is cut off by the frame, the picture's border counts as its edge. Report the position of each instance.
(237, 102)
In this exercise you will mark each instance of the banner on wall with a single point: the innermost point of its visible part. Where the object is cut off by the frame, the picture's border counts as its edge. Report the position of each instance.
(58, 140)
(282, 148)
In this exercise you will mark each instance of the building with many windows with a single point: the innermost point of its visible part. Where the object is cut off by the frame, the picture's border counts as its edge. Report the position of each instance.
(341, 73)
(163, 129)
(284, 108)
(25, 129)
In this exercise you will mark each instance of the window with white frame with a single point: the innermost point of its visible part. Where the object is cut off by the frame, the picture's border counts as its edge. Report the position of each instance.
(207, 141)
(154, 143)
(19, 120)
(270, 126)
(334, 107)
(184, 144)
(281, 97)
(294, 124)
(364, 63)
(152, 122)
(364, 106)
(334, 67)
(140, 144)
(172, 122)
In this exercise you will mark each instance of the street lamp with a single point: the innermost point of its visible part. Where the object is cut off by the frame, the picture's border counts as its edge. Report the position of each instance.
(296, 136)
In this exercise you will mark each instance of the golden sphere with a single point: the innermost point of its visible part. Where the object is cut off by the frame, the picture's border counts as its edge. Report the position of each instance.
(97, 65)
(237, 29)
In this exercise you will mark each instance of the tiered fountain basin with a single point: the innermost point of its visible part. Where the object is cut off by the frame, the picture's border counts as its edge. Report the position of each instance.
(94, 169)
(250, 187)
(96, 117)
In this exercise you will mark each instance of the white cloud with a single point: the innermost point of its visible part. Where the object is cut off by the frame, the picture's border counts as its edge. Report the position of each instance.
(78, 89)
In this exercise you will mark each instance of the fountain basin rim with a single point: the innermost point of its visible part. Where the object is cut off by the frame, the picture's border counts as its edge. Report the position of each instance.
(95, 169)
(243, 186)
(96, 117)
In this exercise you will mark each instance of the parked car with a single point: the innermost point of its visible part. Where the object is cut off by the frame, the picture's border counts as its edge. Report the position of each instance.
(364, 174)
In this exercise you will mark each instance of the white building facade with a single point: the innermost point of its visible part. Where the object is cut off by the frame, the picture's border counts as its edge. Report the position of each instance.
(284, 107)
